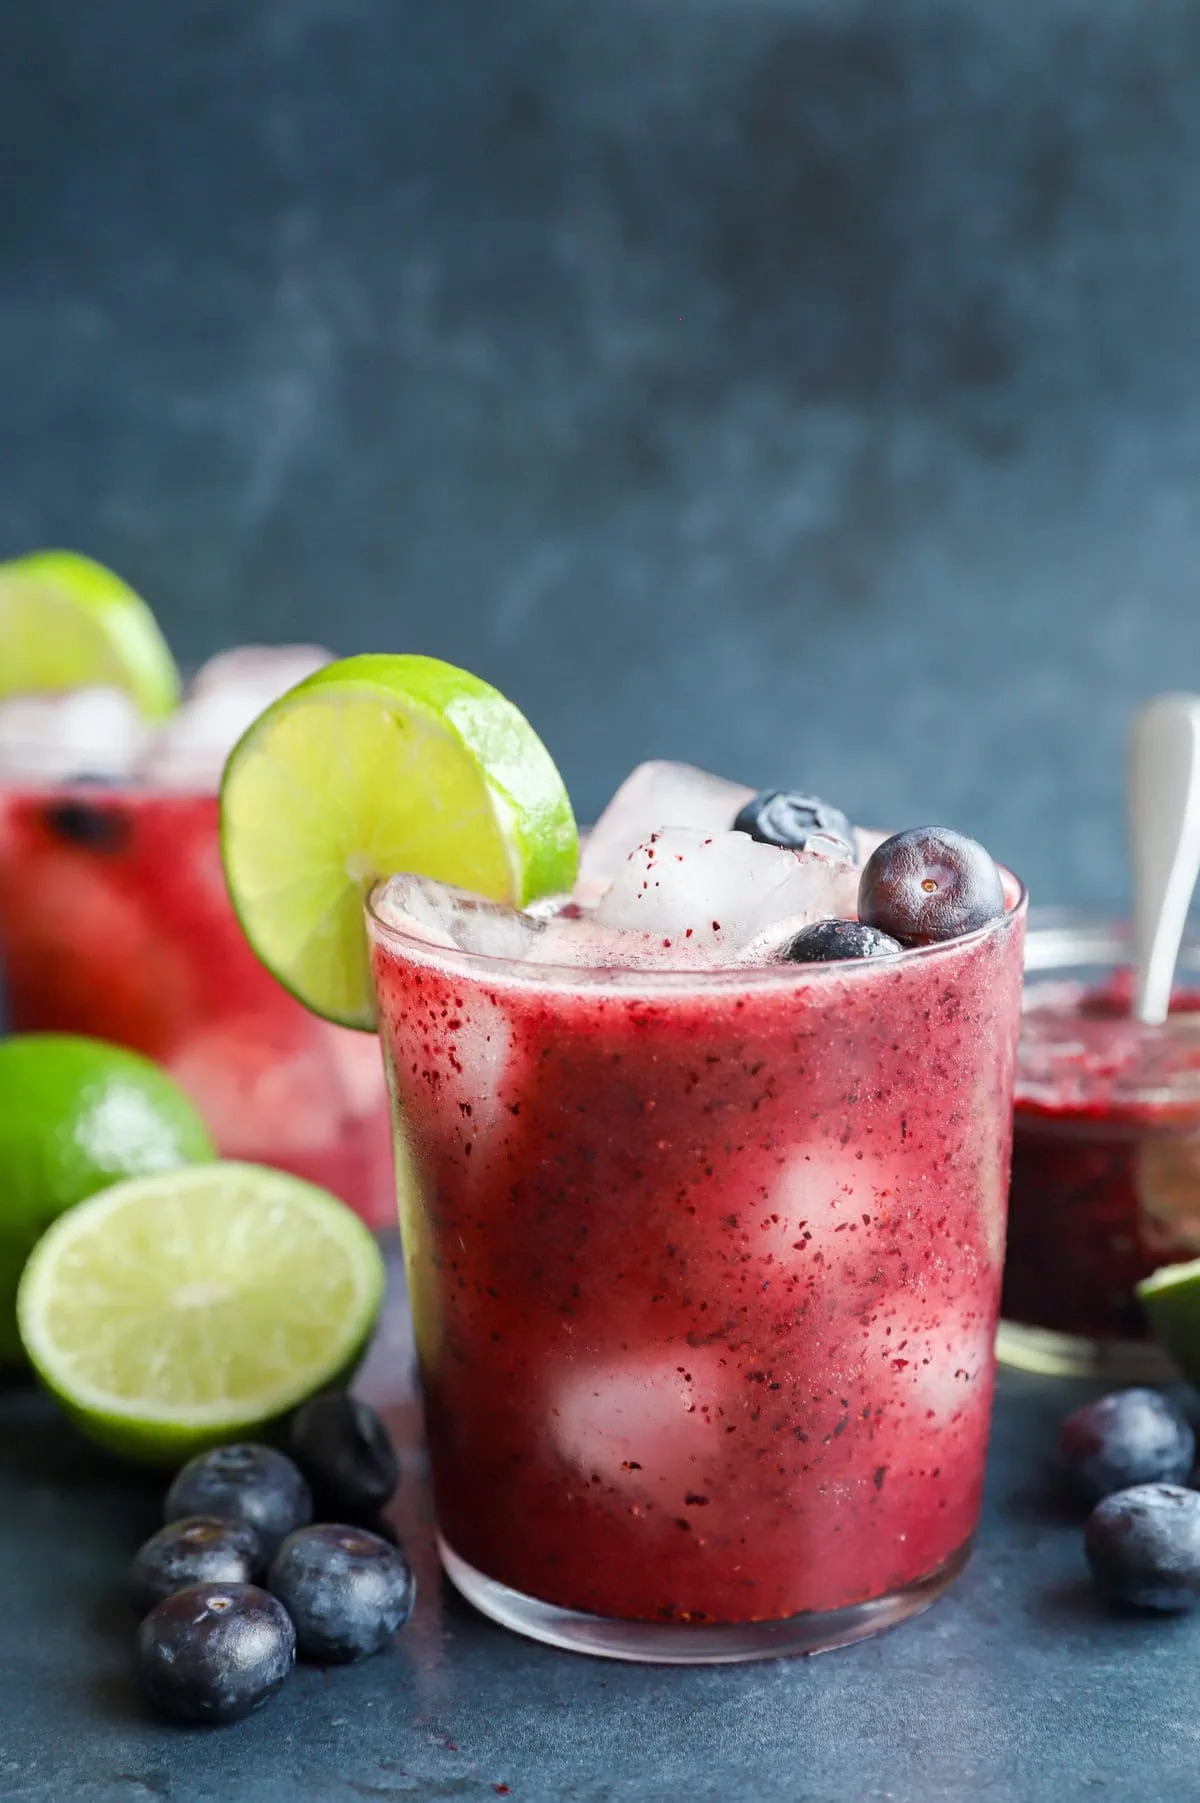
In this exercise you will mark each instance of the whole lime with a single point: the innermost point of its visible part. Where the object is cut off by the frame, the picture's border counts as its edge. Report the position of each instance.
(77, 1115)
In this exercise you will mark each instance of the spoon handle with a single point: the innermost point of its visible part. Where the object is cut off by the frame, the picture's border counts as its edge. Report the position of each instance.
(1163, 808)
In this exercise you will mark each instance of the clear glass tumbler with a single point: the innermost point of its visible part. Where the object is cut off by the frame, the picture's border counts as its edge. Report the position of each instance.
(705, 1270)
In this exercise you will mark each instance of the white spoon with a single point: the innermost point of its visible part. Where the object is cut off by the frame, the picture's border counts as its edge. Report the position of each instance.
(1163, 808)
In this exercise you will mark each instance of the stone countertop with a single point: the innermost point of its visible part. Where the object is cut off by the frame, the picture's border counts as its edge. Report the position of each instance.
(1017, 1687)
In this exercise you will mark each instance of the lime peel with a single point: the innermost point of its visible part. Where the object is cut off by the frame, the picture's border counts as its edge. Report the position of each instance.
(1171, 1299)
(67, 622)
(374, 765)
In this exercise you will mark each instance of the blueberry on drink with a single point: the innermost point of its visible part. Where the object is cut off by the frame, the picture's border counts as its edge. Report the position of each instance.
(786, 818)
(199, 1549)
(830, 940)
(1143, 1547)
(214, 1652)
(346, 1590)
(1132, 1437)
(929, 884)
(249, 1483)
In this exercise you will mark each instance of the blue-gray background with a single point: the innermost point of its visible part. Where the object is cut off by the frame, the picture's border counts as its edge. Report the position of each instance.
(805, 387)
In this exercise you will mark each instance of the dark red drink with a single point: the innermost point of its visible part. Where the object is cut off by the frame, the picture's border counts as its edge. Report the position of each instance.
(705, 1270)
(115, 922)
(1106, 1156)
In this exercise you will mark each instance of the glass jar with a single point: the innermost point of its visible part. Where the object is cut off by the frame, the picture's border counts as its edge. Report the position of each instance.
(1106, 1153)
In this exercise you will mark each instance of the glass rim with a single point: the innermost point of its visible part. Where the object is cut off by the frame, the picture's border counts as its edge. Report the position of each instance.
(647, 980)
(28, 780)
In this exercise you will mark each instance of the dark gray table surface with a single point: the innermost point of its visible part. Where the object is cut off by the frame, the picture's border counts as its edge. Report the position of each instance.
(1017, 1687)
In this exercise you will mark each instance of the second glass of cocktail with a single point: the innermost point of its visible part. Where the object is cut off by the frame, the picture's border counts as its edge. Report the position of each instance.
(704, 1226)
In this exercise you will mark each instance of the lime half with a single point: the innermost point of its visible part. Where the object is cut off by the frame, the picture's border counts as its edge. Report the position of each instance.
(67, 622)
(377, 765)
(177, 1311)
(1171, 1299)
(76, 1116)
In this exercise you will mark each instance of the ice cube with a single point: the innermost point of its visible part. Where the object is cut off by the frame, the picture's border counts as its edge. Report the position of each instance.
(830, 892)
(228, 695)
(269, 669)
(866, 840)
(716, 895)
(444, 916)
(935, 1360)
(646, 1423)
(85, 732)
(583, 943)
(658, 793)
(262, 1097)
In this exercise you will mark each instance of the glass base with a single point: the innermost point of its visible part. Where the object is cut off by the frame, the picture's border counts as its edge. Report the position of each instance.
(677, 1643)
(1054, 1354)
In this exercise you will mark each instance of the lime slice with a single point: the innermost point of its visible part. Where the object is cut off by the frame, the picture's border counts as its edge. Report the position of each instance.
(377, 765)
(1171, 1299)
(66, 622)
(177, 1311)
(76, 1116)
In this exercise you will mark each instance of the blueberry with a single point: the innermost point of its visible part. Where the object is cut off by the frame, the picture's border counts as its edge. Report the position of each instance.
(199, 1549)
(214, 1652)
(829, 940)
(929, 884)
(785, 817)
(89, 826)
(342, 1447)
(254, 1484)
(346, 1590)
(1131, 1437)
(1143, 1546)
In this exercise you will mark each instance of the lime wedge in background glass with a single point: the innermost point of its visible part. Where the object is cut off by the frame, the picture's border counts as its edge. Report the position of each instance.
(77, 1115)
(1171, 1299)
(376, 765)
(67, 622)
(178, 1311)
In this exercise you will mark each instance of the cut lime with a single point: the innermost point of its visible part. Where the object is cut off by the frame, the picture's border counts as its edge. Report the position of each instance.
(77, 1115)
(377, 765)
(67, 622)
(175, 1312)
(1171, 1299)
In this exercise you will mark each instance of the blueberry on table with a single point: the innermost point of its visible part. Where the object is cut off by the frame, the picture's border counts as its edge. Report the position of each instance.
(1131, 1437)
(246, 1482)
(929, 884)
(199, 1549)
(830, 940)
(214, 1652)
(346, 1590)
(786, 818)
(343, 1449)
(1143, 1546)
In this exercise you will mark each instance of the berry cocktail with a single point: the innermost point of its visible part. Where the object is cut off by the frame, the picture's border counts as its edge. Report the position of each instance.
(705, 1273)
(703, 1150)
(115, 922)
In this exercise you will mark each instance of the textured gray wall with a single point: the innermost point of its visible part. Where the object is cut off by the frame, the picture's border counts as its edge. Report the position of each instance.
(806, 387)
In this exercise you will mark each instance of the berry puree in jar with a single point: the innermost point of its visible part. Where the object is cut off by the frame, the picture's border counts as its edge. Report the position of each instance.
(1106, 1154)
(705, 1265)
